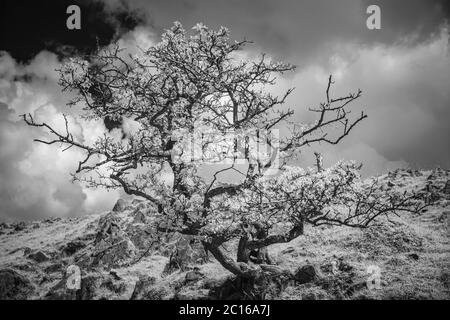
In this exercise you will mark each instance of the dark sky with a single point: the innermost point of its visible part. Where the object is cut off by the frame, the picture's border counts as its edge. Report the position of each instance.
(403, 70)
(28, 27)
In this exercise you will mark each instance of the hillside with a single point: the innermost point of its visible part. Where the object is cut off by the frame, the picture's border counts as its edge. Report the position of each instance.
(121, 257)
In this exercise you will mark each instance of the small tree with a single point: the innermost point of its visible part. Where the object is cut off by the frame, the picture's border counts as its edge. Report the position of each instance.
(189, 85)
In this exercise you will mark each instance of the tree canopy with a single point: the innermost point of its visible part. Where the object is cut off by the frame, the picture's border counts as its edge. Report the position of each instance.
(187, 95)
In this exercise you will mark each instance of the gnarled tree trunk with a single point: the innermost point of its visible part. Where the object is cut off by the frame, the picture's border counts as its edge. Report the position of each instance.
(252, 277)
(256, 255)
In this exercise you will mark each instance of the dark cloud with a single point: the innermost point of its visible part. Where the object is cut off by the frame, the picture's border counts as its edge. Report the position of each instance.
(303, 30)
(29, 27)
(417, 19)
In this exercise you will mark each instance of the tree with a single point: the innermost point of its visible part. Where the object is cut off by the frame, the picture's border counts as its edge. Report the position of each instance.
(194, 87)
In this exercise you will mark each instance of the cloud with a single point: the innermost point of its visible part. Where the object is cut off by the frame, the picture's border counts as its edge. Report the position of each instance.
(414, 20)
(35, 180)
(28, 27)
(405, 94)
(303, 31)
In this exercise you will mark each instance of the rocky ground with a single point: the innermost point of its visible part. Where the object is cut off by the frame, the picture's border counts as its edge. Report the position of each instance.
(120, 256)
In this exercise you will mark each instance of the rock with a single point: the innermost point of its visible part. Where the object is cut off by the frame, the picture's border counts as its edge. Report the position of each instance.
(193, 275)
(72, 247)
(119, 206)
(20, 226)
(144, 237)
(446, 189)
(226, 289)
(186, 253)
(139, 217)
(14, 286)
(114, 274)
(112, 246)
(108, 227)
(140, 286)
(117, 254)
(56, 267)
(38, 256)
(413, 256)
(305, 274)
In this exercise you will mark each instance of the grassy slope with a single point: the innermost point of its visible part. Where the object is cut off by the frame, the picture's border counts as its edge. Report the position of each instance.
(412, 252)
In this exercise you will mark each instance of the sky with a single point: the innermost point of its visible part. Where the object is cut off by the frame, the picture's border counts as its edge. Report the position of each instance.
(403, 70)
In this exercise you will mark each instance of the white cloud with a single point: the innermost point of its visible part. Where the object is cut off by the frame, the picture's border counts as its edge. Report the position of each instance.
(405, 94)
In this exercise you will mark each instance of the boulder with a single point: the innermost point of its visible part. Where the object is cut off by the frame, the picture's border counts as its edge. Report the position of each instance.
(193, 275)
(39, 256)
(186, 253)
(305, 274)
(72, 247)
(55, 267)
(112, 246)
(14, 286)
(413, 256)
(119, 206)
(114, 254)
(139, 217)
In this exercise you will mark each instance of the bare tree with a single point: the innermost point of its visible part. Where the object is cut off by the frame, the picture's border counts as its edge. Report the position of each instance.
(199, 82)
